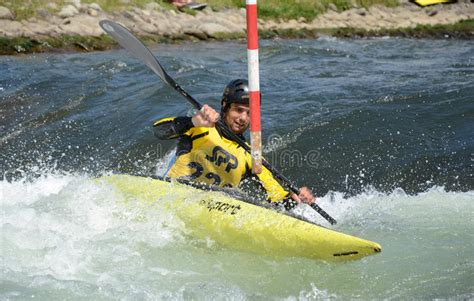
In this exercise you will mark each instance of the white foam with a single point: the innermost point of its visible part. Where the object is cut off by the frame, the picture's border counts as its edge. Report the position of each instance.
(372, 205)
(163, 165)
(74, 234)
(63, 225)
(28, 192)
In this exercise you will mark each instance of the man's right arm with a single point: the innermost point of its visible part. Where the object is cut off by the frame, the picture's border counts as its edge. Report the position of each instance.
(172, 127)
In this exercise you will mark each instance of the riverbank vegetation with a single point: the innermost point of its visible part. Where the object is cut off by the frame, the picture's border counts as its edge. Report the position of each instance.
(10, 46)
(22, 37)
(296, 9)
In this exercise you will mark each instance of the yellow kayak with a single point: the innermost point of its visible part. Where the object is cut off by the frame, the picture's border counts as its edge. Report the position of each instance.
(241, 225)
(432, 2)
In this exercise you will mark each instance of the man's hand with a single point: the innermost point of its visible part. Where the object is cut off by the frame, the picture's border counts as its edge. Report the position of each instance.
(206, 117)
(305, 196)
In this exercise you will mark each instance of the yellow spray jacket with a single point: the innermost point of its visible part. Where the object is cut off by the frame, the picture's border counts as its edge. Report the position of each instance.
(205, 155)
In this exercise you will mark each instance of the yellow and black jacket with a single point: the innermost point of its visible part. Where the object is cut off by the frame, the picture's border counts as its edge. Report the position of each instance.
(207, 156)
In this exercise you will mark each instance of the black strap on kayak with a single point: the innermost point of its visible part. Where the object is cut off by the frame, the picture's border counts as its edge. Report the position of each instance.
(136, 48)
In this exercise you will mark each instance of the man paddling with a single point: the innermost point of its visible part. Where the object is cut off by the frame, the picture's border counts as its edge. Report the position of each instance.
(206, 155)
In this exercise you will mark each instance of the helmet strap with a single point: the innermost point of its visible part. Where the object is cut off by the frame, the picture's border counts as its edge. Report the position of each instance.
(224, 107)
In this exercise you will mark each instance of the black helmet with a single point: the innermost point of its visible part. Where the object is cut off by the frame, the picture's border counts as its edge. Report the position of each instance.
(237, 91)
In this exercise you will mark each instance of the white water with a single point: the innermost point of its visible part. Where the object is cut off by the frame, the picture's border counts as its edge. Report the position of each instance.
(67, 236)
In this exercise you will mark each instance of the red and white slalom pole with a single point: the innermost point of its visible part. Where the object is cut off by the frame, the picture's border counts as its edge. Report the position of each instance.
(254, 86)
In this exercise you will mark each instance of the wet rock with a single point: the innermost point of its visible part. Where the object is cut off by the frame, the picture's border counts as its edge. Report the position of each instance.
(163, 27)
(43, 13)
(10, 28)
(6, 14)
(213, 29)
(137, 10)
(39, 27)
(52, 5)
(221, 21)
(68, 11)
(92, 12)
(92, 9)
(127, 15)
(361, 12)
(432, 13)
(82, 25)
(152, 6)
(95, 6)
(147, 27)
(132, 16)
(196, 33)
(75, 3)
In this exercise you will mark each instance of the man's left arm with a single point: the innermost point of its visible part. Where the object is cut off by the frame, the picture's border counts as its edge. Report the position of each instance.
(276, 193)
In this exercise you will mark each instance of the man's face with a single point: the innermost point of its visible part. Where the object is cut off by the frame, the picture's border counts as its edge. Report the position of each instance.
(237, 118)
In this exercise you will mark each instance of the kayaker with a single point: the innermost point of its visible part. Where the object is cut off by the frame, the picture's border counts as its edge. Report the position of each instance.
(206, 155)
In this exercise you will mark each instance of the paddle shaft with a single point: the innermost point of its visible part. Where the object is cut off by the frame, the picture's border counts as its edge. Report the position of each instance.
(131, 43)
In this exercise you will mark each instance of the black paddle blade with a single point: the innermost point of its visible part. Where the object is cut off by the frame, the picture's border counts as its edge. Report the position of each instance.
(136, 48)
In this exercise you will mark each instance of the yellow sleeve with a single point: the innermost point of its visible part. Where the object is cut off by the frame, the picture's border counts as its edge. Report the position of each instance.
(276, 193)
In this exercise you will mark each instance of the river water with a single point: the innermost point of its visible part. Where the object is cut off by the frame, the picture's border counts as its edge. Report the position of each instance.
(380, 129)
